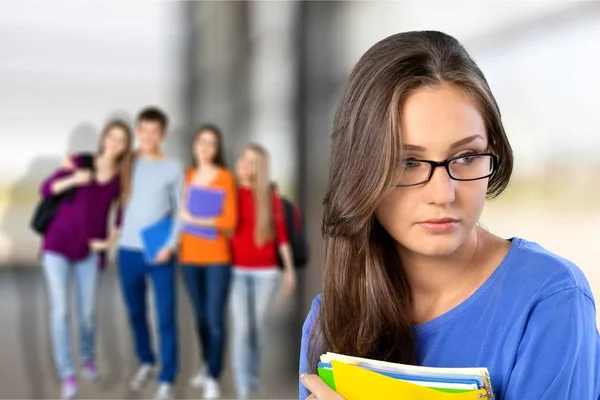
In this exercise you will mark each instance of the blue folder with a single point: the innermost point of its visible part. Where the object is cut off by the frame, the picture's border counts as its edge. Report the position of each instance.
(204, 202)
(154, 238)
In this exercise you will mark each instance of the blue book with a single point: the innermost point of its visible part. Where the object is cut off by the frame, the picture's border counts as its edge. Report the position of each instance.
(154, 238)
(204, 202)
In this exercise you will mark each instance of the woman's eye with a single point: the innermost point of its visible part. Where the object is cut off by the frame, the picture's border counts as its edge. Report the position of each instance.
(409, 164)
(466, 159)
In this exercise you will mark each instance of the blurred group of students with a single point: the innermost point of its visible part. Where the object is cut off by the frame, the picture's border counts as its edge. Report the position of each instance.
(248, 263)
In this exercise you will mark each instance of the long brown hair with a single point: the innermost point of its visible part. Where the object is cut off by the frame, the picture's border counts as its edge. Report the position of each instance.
(261, 188)
(123, 164)
(366, 301)
(219, 157)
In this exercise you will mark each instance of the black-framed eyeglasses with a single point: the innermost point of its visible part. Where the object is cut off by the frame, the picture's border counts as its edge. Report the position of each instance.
(466, 167)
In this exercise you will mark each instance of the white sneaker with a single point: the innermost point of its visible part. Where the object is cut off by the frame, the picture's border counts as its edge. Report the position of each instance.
(243, 396)
(211, 389)
(90, 372)
(69, 388)
(256, 387)
(141, 377)
(199, 379)
(163, 392)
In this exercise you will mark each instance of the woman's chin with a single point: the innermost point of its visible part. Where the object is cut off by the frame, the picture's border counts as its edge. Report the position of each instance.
(435, 244)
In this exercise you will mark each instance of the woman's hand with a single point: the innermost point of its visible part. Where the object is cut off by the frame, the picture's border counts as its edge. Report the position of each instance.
(185, 216)
(164, 256)
(78, 178)
(67, 163)
(98, 246)
(289, 282)
(318, 389)
(81, 177)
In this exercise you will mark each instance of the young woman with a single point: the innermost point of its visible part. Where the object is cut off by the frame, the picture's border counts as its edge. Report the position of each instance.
(75, 242)
(156, 188)
(206, 261)
(259, 236)
(410, 277)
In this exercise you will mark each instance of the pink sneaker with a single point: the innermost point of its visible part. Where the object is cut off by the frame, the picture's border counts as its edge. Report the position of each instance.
(69, 388)
(90, 372)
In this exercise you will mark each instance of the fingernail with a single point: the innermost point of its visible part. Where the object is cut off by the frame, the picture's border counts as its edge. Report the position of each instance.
(303, 376)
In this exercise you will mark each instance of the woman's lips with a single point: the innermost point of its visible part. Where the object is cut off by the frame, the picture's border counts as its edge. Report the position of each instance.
(439, 225)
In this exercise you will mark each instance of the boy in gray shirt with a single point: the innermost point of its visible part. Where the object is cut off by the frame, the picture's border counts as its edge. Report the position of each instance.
(155, 194)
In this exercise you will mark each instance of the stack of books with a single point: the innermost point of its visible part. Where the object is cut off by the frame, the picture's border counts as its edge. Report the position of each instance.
(363, 379)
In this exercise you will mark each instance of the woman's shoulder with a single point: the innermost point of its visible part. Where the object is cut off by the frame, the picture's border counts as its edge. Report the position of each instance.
(224, 178)
(189, 173)
(226, 175)
(275, 192)
(316, 302)
(313, 313)
(542, 271)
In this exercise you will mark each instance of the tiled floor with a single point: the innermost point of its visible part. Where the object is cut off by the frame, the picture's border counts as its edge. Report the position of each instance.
(26, 367)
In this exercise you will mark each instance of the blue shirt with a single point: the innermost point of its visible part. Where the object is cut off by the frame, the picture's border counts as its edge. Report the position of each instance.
(155, 193)
(532, 324)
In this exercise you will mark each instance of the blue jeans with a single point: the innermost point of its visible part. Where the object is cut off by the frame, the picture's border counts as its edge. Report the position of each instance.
(208, 287)
(134, 273)
(252, 297)
(59, 273)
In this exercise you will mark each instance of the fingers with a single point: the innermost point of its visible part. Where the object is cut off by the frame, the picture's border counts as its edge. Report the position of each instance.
(67, 163)
(163, 256)
(315, 385)
(160, 258)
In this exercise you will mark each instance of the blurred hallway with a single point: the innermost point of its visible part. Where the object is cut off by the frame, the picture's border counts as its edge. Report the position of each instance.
(27, 369)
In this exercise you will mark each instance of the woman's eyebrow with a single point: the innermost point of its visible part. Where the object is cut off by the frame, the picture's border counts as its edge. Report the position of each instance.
(466, 140)
(458, 143)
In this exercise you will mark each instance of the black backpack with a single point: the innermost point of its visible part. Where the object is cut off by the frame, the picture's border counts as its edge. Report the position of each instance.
(296, 231)
(47, 208)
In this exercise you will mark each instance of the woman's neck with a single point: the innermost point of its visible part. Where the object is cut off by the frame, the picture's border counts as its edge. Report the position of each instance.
(207, 166)
(245, 183)
(439, 284)
(105, 161)
(434, 276)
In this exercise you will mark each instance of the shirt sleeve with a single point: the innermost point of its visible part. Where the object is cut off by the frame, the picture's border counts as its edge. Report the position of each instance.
(228, 219)
(279, 219)
(46, 187)
(559, 354)
(175, 196)
(304, 350)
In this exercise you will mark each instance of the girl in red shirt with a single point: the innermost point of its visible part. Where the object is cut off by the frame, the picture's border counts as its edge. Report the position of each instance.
(260, 234)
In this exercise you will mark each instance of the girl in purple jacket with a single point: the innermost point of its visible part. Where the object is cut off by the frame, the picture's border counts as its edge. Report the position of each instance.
(75, 243)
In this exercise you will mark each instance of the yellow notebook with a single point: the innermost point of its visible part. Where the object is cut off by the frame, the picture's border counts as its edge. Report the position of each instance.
(356, 383)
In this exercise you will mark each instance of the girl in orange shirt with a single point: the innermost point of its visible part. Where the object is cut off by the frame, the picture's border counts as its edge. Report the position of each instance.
(206, 262)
